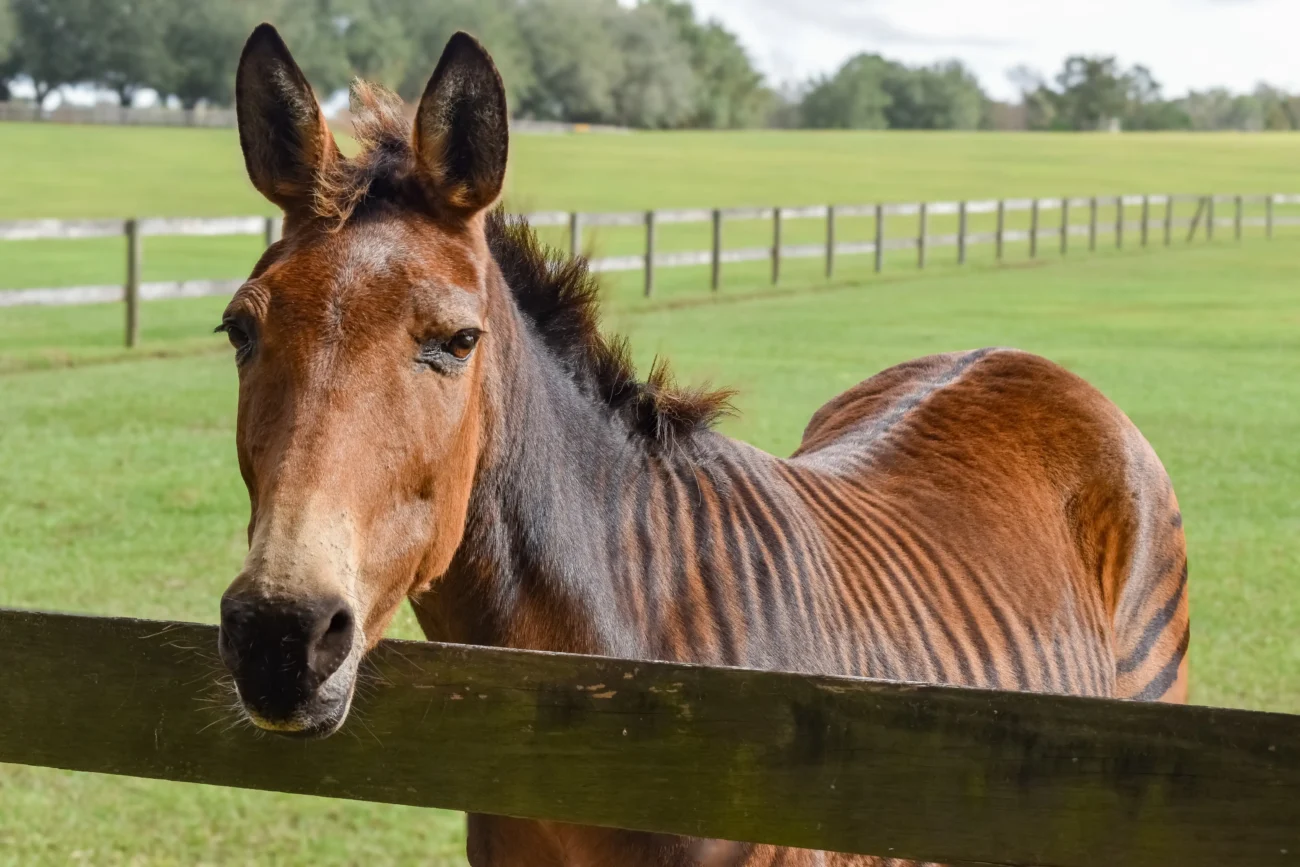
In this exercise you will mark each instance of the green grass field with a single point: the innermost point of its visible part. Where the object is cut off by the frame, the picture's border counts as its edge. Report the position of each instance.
(119, 492)
(88, 171)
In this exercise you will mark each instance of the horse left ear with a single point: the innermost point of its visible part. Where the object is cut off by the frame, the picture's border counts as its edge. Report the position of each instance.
(462, 132)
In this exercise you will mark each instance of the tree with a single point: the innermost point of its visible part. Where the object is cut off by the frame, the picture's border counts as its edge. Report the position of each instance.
(943, 96)
(1092, 90)
(202, 43)
(855, 97)
(729, 92)
(7, 36)
(315, 30)
(656, 87)
(575, 59)
(129, 47)
(495, 23)
(1147, 107)
(54, 42)
(1219, 109)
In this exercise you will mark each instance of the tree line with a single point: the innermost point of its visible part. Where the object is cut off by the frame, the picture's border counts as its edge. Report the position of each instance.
(654, 64)
(1091, 92)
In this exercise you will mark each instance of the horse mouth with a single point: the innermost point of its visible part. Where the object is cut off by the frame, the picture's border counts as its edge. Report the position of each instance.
(300, 728)
(295, 709)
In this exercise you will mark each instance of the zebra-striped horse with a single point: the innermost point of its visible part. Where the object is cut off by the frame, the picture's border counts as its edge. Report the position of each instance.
(427, 410)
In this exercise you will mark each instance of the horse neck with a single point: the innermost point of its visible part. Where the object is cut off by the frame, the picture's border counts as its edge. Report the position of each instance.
(538, 565)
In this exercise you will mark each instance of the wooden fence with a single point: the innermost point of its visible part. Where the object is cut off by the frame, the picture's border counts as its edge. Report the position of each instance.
(890, 769)
(1157, 223)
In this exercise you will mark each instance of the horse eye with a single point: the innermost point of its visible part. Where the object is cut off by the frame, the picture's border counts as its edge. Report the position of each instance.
(462, 344)
(237, 336)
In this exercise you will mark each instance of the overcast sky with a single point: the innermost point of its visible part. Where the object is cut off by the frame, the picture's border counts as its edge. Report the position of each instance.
(1188, 44)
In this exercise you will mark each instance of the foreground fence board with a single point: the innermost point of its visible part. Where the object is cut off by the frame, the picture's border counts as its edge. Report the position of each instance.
(891, 769)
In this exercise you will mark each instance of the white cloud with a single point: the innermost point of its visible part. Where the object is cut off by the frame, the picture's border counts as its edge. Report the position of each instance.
(1188, 44)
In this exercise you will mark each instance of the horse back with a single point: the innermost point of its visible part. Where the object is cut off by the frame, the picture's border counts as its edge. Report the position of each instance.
(1041, 532)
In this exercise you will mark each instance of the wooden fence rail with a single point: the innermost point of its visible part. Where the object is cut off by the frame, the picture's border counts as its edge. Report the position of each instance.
(578, 224)
(890, 769)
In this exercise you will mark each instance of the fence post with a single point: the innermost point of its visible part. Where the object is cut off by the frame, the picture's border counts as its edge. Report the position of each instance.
(776, 245)
(1169, 219)
(1002, 226)
(271, 233)
(880, 238)
(922, 228)
(1092, 225)
(1033, 229)
(575, 234)
(1209, 214)
(716, 277)
(1196, 219)
(1268, 216)
(1119, 222)
(961, 233)
(1146, 218)
(649, 253)
(1236, 219)
(830, 241)
(1065, 225)
(132, 293)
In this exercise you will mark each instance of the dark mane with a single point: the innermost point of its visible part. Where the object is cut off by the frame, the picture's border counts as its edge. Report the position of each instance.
(558, 296)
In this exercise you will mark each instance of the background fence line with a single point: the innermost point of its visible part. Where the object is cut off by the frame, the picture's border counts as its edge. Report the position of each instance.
(579, 224)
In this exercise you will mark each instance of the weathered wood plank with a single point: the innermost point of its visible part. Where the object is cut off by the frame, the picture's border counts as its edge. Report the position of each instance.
(807, 212)
(188, 289)
(73, 295)
(32, 230)
(617, 263)
(203, 226)
(951, 775)
(64, 296)
(131, 292)
(684, 215)
(548, 218)
(747, 213)
(745, 254)
(624, 218)
(802, 251)
(684, 258)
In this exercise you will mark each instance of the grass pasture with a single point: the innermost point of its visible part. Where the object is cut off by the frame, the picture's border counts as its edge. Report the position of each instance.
(102, 171)
(119, 492)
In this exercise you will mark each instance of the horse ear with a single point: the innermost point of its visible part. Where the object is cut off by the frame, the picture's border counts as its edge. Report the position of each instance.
(462, 133)
(282, 130)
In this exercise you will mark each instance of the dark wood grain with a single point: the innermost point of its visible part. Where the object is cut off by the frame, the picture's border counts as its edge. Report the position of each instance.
(131, 292)
(934, 773)
(776, 246)
(649, 253)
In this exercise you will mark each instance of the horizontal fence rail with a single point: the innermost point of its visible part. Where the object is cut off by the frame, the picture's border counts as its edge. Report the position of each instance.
(901, 770)
(1075, 218)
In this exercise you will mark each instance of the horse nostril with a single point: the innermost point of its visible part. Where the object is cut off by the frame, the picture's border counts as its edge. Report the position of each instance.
(232, 637)
(340, 622)
(333, 645)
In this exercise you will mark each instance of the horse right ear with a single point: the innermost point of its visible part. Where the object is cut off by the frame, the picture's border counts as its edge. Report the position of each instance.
(282, 130)
(462, 133)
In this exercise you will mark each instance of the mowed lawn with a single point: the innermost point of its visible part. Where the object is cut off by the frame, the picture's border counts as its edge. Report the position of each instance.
(99, 171)
(102, 171)
(119, 492)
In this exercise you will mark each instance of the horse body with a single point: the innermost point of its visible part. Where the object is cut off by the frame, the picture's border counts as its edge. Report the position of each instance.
(428, 410)
(982, 518)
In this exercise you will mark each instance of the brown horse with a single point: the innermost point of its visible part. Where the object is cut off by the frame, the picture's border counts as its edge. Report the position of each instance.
(427, 410)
